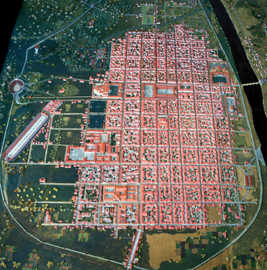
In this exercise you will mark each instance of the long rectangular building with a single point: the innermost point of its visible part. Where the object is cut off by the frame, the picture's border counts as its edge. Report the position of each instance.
(25, 137)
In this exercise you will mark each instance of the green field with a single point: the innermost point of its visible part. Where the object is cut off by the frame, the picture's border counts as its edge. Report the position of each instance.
(37, 153)
(67, 121)
(55, 153)
(147, 14)
(69, 137)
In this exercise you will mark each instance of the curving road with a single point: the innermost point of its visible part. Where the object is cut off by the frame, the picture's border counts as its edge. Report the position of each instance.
(4, 199)
(5, 203)
(258, 169)
(55, 33)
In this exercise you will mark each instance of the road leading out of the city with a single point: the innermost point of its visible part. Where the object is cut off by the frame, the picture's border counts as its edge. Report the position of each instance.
(253, 93)
(226, 23)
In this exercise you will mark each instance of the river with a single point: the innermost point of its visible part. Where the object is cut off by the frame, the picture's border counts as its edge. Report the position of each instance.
(245, 72)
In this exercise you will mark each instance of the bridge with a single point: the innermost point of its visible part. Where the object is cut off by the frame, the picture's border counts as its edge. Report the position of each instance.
(253, 83)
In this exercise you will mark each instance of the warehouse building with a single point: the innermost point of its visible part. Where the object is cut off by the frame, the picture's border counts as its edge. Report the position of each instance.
(25, 137)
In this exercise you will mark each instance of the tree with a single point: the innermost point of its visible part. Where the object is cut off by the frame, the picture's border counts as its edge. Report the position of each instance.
(3, 264)
(49, 264)
(16, 265)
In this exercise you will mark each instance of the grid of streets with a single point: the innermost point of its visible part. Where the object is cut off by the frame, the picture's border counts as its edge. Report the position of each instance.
(154, 148)
(171, 159)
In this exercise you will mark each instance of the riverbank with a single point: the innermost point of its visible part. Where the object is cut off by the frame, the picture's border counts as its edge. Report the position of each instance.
(245, 72)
